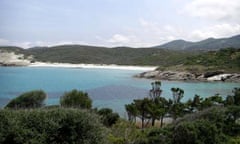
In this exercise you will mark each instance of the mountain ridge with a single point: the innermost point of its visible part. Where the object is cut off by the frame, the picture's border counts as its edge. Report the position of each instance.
(208, 44)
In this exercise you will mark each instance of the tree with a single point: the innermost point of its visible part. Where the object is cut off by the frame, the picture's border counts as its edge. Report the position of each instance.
(196, 102)
(236, 96)
(152, 108)
(177, 94)
(108, 116)
(32, 99)
(164, 105)
(212, 101)
(143, 106)
(77, 99)
(177, 107)
(157, 109)
(147, 108)
(131, 111)
(156, 91)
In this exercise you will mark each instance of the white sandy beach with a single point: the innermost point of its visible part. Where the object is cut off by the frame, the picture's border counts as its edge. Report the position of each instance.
(18, 60)
(93, 66)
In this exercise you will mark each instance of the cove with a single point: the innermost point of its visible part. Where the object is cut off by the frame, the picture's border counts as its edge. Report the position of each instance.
(107, 87)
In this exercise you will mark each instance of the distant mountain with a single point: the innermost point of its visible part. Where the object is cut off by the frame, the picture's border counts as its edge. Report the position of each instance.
(176, 45)
(206, 45)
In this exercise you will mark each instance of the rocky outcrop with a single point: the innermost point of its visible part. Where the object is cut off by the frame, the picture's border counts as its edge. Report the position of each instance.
(188, 76)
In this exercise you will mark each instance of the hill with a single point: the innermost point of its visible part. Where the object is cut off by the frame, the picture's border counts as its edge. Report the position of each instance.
(206, 45)
(101, 55)
(224, 59)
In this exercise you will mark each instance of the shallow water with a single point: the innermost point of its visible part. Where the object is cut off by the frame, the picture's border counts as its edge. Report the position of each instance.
(107, 87)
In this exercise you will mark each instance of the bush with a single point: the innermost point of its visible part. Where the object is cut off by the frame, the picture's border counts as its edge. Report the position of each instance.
(77, 99)
(124, 132)
(56, 125)
(32, 99)
(108, 117)
(162, 135)
(200, 132)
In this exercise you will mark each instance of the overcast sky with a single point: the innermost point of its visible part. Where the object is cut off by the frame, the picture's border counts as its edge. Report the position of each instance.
(135, 23)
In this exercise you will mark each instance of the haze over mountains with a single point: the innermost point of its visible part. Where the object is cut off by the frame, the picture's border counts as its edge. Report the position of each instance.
(203, 45)
(207, 44)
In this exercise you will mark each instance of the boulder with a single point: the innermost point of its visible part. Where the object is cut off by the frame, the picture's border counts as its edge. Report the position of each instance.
(213, 73)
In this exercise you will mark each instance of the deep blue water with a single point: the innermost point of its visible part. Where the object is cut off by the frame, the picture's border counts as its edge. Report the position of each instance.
(106, 87)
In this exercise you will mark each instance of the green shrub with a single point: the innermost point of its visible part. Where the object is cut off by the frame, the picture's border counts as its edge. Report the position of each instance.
(56, 125)
(200, 132)
(77, 99)
(108, 116)
(124, 132)
(32, 99)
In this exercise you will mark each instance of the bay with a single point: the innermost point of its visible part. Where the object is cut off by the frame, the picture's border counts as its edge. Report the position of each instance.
(107, 87)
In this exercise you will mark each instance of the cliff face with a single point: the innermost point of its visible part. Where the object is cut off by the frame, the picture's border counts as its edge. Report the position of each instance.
(12, 59)
(188, 76)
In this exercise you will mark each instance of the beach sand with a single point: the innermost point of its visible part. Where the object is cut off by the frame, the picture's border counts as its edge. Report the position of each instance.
(93, 66)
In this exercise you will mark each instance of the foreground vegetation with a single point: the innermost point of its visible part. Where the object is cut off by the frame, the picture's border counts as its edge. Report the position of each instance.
(211, 120)
(56, 125)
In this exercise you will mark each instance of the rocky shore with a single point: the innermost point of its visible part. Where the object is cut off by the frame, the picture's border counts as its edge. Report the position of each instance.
(188, 76)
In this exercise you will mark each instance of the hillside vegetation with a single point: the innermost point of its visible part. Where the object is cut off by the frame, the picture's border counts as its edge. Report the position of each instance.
(101, 55)
(225, 59)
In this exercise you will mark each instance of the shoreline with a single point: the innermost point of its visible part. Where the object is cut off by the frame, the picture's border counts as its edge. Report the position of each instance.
(10, 59)
(93, 66)
(215, 76)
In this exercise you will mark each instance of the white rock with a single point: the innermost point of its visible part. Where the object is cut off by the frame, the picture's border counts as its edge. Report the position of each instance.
(219, 77)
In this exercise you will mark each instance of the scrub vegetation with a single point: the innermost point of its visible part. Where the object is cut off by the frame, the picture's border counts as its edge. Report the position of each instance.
(211, 120)
(227, 59)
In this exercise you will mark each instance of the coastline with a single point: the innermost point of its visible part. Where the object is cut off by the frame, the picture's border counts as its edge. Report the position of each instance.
(147, 72)
(189, 76)
(93, 66)
(12, 59)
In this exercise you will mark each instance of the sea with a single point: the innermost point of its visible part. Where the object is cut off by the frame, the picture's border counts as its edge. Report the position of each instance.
(108, 88)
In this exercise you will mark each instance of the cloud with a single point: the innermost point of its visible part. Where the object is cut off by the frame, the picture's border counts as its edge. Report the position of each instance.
(160, 34)
(4, 42)
(118, 38)
(157, 33)
(125, 40)
(214, 9)
(149, 26)
(26, 44)
(216, 31)
(148, 34)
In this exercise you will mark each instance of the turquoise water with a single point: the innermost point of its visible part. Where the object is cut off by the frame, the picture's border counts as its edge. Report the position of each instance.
(107, 87)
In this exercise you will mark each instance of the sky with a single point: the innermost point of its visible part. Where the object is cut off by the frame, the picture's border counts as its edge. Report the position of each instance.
(111, 23)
